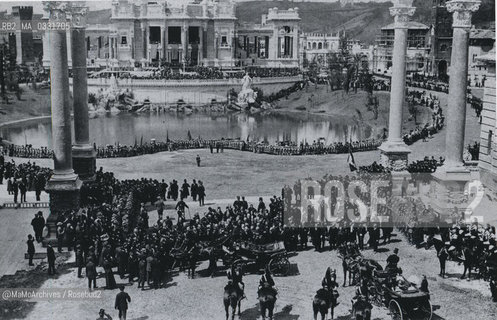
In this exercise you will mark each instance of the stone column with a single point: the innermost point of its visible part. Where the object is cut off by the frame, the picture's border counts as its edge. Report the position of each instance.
(184, 45)
(162, 40)
(19, 55)
(201, 45)
(83, 154)
(69, 47)
(46, 49)
(451, 182)
(63, 187)
(462, 11)
(394, 151)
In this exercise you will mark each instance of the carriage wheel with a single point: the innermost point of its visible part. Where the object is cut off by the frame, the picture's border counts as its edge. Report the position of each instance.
(395, 310)
(279, 266)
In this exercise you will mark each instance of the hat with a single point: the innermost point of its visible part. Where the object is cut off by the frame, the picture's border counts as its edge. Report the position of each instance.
(396, 250)
(447, 242)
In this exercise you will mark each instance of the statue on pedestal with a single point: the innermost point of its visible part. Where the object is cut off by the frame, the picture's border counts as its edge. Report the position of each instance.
(247, 95)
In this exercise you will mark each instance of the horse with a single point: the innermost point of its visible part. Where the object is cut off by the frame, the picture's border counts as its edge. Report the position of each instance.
(351, 266)
(454, 255)
(267, 299)
(232, 297)
(324, 300)
(361, 310)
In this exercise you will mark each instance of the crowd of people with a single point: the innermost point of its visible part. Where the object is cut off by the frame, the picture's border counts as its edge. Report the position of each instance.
(423, 99)
(22, 178)
(113, 228)
(281, 148)
(428, 83)
(196, 73)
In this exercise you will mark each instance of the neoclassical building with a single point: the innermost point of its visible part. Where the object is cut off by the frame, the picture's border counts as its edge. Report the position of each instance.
(190, 33)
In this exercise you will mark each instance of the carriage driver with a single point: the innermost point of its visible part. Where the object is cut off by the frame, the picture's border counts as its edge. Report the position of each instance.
(235, 275)
(361, 292)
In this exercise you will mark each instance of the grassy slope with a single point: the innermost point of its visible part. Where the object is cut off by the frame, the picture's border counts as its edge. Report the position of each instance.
(33, 104)
(361, 21)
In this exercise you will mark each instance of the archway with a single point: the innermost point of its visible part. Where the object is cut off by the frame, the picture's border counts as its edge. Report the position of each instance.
(442, 69)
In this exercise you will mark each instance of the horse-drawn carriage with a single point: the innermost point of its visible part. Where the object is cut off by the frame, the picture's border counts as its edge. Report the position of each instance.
(402, 297)
(186, 255)
(247, 254)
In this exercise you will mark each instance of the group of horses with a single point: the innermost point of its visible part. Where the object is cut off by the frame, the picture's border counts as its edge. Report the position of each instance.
(233, 295)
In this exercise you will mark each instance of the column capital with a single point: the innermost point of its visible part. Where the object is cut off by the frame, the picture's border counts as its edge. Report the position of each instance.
(56, 10)
(402, 10)
(462, 12)
(79, 12)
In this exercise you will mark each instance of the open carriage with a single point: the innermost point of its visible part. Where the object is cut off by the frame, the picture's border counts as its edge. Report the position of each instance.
(246, 254)
(401, 297)
(203, 251)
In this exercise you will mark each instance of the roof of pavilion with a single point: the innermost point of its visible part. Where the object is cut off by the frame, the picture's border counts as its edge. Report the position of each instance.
(489, 57)
(411, 25)
(482, 34)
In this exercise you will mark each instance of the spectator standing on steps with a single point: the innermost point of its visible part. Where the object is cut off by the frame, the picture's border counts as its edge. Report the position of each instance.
(31, 249)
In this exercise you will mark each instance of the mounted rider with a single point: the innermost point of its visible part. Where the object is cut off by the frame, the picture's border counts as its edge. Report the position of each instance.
(361, 295)
(329, 286)
(266, 282)
(235, 277)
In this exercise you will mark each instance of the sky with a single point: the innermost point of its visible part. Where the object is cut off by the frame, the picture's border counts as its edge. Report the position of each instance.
(38, 5)
(104, 4)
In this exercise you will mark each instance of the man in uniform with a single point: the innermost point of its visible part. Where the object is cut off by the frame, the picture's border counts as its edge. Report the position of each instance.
(51, 259)
(392, 262)
(330, 284)
(443, 254)
(236, 276)
(31, 249)
(160, 207)
(267, 282)
(121, 304)
(91, 273)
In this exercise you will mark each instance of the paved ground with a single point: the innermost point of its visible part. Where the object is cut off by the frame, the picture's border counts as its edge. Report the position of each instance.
(14, 229)
(201, 298)
(225, 176)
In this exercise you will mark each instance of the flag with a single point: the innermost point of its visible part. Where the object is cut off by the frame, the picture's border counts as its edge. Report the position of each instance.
(167, 135)
(141, 141)
(189, 135)
(135, 142)
(351, 161)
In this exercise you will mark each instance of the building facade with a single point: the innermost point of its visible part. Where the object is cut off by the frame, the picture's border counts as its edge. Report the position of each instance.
(24, 43)
(188, 33)
(441, 38)
(317, 47)
(418, 49)
(488, 131)
(274, 42)
(481, 41)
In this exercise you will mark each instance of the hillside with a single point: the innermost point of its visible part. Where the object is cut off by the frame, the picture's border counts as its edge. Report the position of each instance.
(361, 21)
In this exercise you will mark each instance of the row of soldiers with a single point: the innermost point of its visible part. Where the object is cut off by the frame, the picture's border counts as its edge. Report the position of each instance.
(120, 151)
